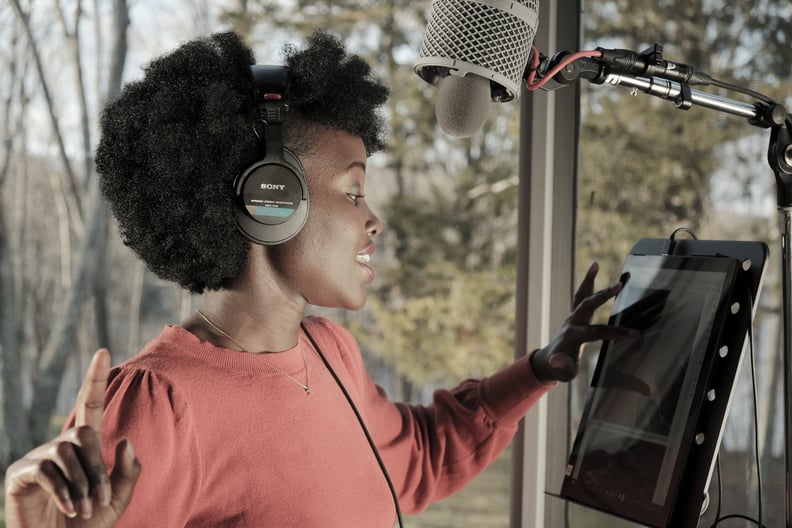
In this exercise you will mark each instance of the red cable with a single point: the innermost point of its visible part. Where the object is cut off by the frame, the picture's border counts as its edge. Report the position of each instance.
(531, 82)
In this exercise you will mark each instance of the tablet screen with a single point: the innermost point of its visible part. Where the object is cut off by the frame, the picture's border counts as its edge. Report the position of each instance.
(639, 419)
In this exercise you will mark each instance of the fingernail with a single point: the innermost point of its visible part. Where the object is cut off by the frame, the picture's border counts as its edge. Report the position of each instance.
(85, 508)
(130, 453)
(71, 513)
(103, 492)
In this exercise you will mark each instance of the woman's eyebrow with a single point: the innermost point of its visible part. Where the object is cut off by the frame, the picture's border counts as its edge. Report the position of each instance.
(358, 164)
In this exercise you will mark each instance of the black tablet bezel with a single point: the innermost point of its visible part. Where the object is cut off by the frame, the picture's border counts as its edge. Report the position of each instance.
(620, 503)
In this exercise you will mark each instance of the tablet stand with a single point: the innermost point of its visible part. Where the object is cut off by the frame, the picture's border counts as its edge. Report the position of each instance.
(721, 378)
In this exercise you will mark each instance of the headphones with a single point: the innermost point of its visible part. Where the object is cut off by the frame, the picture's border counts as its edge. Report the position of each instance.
(271, 196)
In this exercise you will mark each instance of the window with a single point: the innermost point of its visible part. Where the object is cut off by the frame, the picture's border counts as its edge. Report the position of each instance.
(646, 168)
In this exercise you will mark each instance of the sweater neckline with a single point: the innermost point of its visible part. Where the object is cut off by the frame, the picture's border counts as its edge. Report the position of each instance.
(290, 360)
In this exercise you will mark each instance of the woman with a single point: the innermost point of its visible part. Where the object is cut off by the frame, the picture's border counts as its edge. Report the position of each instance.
(249, 413)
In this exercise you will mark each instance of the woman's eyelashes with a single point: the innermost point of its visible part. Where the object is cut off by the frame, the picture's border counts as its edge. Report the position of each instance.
(354, 197)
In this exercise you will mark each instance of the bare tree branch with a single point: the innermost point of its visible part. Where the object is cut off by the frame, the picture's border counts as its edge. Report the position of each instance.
(74, 194)
(8, 134)
(72, 37)
(58, 347)
(119, 51)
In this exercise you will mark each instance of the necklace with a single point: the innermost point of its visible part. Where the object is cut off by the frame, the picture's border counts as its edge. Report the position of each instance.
(220, 331)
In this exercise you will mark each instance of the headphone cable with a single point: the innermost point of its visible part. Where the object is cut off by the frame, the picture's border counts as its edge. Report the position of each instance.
(360, 421)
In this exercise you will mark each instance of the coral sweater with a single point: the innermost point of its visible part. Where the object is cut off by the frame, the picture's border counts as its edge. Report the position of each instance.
(225, 440)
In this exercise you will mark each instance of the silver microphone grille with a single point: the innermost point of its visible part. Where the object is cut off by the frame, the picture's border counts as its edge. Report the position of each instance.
(490, 38)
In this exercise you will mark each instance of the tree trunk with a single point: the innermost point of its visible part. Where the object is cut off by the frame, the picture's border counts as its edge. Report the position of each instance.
(119, 51)
(103, 338)
(12, 415)
(12, 418)
(135, 299)
(88, 275)
(117, 61)
(61, 339)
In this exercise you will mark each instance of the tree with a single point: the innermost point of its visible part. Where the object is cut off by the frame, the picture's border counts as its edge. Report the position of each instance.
(12, 421)
(53, 307)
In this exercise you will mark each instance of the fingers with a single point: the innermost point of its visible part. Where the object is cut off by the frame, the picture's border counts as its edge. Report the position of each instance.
(45, 474)
(90, 456)
(69, 469)
(586, 286)
(90, 399)
(559, 360)
(586, 307)
(79, 458)
(125, 475)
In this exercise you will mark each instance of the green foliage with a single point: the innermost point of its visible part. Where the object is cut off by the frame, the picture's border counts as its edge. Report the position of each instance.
(457, 326)
(647, 167)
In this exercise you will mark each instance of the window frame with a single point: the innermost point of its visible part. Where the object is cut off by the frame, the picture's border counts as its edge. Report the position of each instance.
(548, 164)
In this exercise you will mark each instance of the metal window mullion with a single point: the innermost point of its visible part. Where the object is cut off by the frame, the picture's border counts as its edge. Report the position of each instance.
(546, 226)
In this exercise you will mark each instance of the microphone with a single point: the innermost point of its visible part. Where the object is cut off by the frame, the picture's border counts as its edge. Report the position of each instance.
(599, 65)
(650, 63)
(475, 52)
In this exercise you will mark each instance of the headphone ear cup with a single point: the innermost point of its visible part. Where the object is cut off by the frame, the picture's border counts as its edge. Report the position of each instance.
(271, 199)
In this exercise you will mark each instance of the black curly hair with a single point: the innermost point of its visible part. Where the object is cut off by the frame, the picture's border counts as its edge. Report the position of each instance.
(173, 142)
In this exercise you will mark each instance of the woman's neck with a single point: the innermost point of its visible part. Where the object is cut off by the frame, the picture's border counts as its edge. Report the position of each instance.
(249, 319)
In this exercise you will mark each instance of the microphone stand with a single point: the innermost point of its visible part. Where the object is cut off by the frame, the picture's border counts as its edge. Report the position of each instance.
(779, 156)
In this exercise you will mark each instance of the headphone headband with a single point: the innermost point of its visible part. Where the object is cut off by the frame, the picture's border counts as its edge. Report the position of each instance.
(271, 195)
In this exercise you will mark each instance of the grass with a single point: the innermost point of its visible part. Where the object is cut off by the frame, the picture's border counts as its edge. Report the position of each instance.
(484, 503)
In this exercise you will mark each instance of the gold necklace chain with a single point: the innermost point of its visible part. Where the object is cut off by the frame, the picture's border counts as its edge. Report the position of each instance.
(220, 331)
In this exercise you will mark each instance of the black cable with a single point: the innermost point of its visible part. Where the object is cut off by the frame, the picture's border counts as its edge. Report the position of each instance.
(756, 418)
(740, 516)
(686, 230)
(751, 93)
(746, 91)
(361, 422)
(720, 492)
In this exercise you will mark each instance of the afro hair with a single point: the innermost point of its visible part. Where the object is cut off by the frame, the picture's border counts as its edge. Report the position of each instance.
(174, 141)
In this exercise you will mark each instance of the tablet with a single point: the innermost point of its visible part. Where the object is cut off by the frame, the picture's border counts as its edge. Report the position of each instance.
(640, 417)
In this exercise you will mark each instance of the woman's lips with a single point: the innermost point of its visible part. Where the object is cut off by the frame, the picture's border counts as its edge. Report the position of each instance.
(363, 258)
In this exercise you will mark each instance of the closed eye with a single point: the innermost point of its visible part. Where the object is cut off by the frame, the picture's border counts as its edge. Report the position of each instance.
(354, 197)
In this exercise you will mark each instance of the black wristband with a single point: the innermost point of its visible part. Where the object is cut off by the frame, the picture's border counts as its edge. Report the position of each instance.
(541, 368)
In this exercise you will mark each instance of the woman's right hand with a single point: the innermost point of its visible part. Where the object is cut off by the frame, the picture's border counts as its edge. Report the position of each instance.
(64, 482)
(559, 360)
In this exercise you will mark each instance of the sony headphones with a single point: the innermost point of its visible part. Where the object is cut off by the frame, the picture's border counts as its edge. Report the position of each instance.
(271, 196)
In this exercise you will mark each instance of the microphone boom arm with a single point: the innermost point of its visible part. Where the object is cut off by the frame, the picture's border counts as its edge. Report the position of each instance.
(683, 97)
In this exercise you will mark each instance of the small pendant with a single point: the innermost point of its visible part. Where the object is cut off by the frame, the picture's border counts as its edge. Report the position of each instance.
(308, 390)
